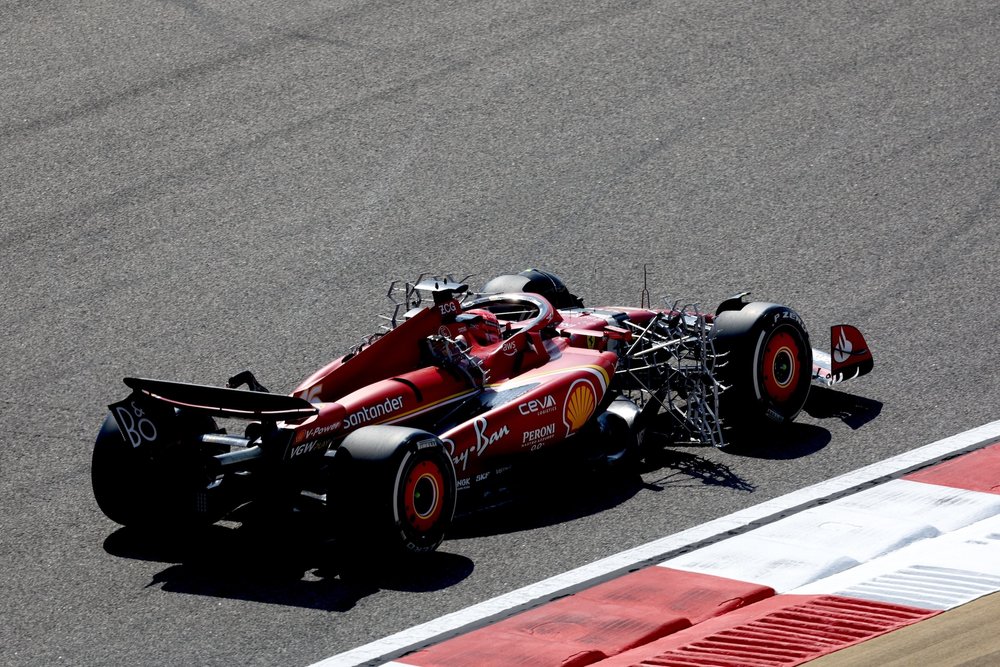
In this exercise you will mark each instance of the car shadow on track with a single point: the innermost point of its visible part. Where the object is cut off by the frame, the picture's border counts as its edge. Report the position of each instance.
(855, 411)
(794, 441)
(798, 440)
(282, 561)
(671, 468)
(552, 495)
(284, 565)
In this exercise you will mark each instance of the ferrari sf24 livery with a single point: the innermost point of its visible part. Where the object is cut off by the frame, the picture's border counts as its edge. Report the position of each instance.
(457, 390)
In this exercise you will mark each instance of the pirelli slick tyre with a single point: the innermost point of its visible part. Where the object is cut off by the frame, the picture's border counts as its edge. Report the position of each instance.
(392, 491)
(767, 364)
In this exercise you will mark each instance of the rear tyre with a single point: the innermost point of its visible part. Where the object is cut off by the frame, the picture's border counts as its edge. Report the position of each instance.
(768, 364)
(135, 489)
(392, 491)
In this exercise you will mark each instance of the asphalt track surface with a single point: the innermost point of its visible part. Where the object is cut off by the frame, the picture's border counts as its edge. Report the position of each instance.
(189, 189)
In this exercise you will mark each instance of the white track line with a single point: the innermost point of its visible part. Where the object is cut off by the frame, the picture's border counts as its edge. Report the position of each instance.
(421, 635)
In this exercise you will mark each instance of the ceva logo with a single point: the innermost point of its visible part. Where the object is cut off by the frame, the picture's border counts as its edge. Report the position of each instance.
(537, 406)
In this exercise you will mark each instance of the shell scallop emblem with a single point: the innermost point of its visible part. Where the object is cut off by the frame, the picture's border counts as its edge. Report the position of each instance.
(580, 405)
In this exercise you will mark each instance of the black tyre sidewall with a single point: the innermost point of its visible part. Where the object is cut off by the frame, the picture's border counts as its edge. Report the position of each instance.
(746, 335)
(367, 491)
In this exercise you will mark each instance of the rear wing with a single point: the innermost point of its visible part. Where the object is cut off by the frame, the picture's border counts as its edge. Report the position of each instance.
(223, 402)
(849, 357)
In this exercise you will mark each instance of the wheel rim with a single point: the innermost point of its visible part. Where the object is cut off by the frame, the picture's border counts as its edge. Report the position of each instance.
(422, 495)
(781, 368)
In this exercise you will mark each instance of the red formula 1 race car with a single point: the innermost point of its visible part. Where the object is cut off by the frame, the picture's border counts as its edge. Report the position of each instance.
(456, 391)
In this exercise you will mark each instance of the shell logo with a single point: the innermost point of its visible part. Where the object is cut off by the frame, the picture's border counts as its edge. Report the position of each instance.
(580, 403)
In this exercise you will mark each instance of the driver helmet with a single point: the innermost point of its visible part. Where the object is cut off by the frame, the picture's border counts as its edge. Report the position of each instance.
(484, 328)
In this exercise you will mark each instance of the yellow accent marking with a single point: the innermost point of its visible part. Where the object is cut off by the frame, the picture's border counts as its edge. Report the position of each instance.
(428, 406)
(511, 383)
(525, 379)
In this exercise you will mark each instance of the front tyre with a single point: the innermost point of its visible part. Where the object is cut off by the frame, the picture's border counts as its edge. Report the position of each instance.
(767, 364)
(392, 491)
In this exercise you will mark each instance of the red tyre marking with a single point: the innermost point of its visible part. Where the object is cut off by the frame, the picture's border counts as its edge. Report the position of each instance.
(422, 512)
(781, 366)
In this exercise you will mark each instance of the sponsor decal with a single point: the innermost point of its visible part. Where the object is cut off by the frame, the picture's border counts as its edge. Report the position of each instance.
(319, 430)
(426, 444)
(787, 315)
(509, 348)
(537, 434)
(843, 349)
(305, 448)
(483, 437)
(448, 308)
(463, 483)
(373, 412)
(482, 477)
(581, 399)
(538, 406)
(444, 332)
(137, 427)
